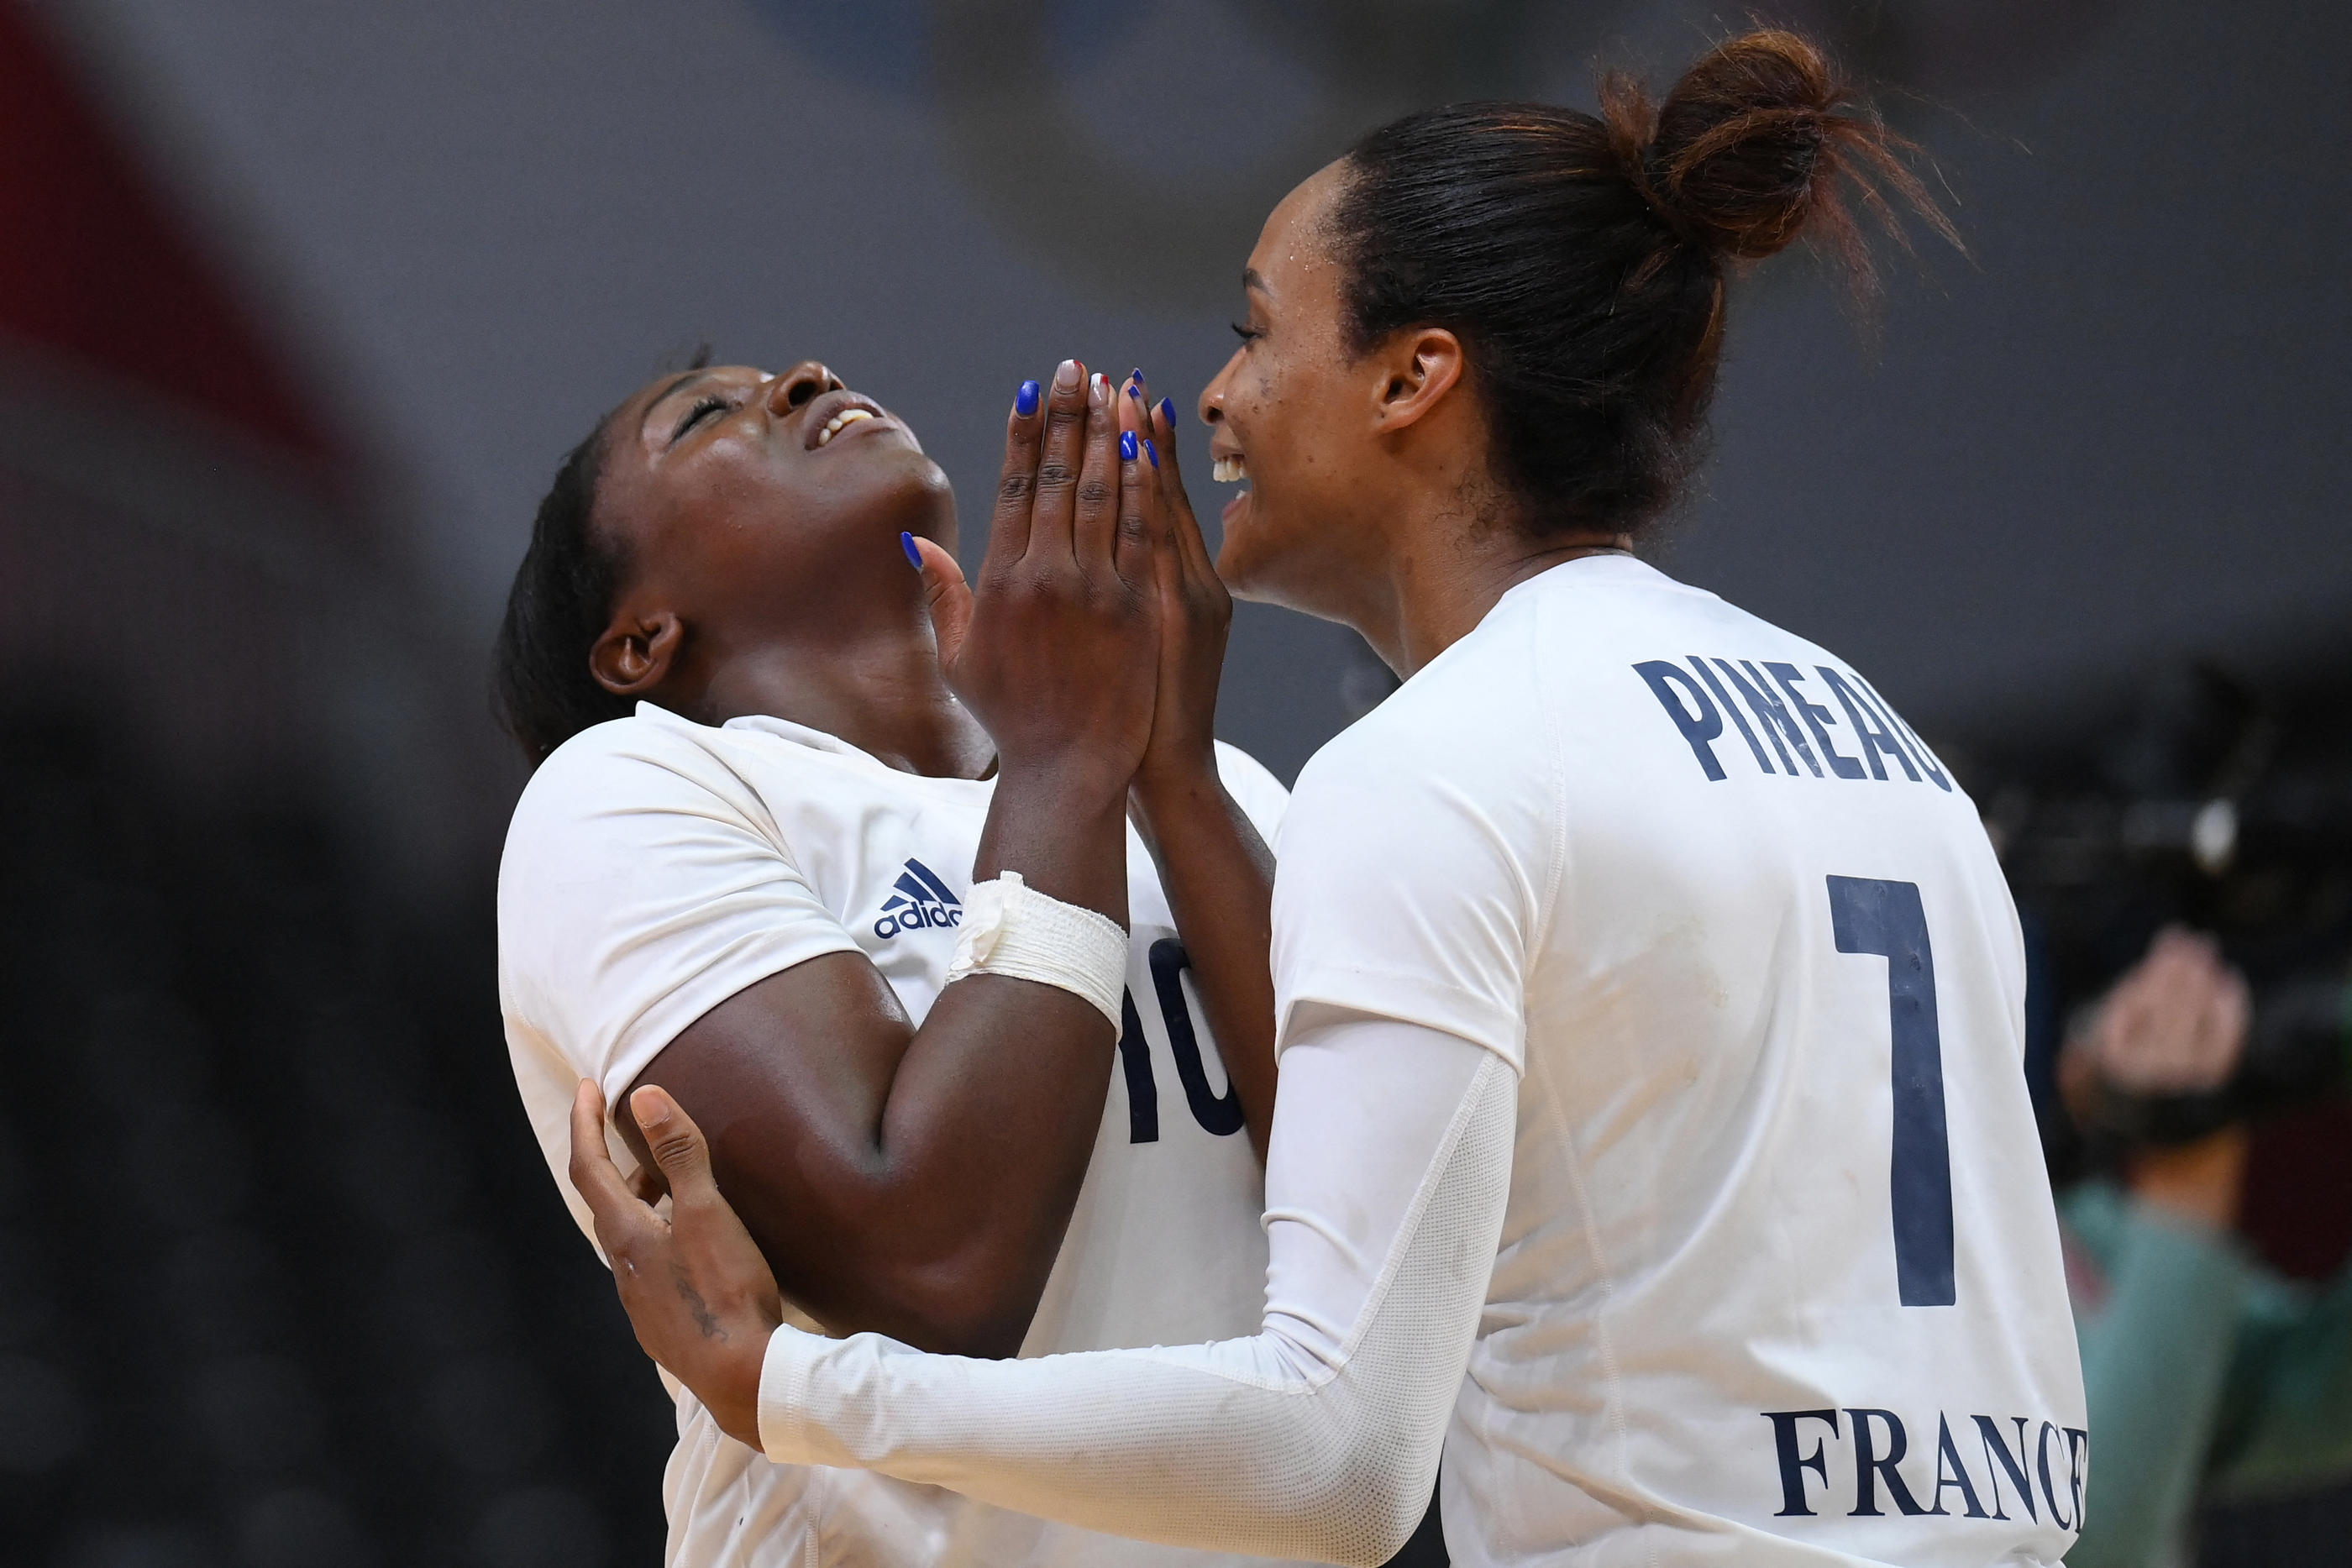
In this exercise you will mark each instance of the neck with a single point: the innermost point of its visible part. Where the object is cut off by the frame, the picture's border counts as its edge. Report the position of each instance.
(879, 690)
(1431, 599)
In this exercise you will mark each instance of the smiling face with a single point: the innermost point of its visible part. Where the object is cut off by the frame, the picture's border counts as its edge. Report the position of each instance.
(744, 504)
(1294, 414)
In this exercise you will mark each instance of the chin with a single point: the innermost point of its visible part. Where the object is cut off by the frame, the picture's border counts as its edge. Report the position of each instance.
(1263, 575)
(922, 501)
(1291, 573)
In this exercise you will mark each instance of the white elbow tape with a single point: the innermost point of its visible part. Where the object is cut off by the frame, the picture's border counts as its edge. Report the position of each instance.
(1010, 928)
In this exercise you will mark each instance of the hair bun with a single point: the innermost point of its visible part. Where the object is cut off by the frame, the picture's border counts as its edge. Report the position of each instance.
(1753, 148)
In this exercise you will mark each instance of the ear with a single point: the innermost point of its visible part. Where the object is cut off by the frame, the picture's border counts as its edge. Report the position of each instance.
(634, 656)
(1418, 368)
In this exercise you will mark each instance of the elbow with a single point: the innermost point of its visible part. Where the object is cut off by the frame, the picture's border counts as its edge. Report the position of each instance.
(1376, 1497)
(984, 1338)
(965, 1311)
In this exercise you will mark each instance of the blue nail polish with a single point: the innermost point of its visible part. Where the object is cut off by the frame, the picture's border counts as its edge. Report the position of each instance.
(1126, 445)
(1168, 411)
(906, 543)
(1149, 452)
(1136, 376)
(1024, 402)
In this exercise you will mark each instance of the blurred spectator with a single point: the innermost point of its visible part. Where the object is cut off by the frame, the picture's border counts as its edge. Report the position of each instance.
(2208, 1374)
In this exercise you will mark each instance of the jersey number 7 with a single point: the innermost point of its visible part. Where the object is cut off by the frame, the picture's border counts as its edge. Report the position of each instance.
(1886, 918)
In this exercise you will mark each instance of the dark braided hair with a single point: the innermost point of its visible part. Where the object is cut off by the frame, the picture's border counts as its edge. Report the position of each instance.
(1581, 260)
(560, 602)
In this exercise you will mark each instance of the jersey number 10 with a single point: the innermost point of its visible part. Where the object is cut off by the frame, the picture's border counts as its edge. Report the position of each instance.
(1886, 918)
(1218, 1114)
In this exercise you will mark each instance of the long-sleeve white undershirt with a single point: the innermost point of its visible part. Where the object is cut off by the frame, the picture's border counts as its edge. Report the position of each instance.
(1318, 1437)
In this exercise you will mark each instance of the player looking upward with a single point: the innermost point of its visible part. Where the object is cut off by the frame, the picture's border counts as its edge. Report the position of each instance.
(760, 825)
(1651, 1127)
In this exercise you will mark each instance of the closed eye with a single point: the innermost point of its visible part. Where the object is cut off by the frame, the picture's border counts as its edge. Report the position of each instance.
(1246, 334)
(704, 407)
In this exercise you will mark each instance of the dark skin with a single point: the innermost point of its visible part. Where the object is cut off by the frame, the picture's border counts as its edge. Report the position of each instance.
(1373, 503)
(917, 1181)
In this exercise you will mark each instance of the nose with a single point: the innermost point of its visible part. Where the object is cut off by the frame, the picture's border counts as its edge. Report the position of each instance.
(796, 386)
(1212, 396)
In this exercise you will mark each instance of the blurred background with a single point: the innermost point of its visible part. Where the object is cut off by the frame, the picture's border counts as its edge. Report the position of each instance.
(301, 301)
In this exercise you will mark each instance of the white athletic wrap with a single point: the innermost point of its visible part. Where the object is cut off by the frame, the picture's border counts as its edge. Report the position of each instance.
(1010, 928)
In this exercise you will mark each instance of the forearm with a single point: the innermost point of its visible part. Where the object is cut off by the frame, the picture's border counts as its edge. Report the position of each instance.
(917, 1181)
(1062, 825)
(983, 1139)
(983, 1147)
(1219, 877)
(1316, 1438)
(2286, 1420)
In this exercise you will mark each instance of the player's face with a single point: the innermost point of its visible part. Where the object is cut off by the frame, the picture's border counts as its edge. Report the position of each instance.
(1291, 414)
(734, 492)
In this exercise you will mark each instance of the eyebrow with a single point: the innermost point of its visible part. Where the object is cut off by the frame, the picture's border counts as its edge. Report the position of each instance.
(1250, 280)
(671, 390)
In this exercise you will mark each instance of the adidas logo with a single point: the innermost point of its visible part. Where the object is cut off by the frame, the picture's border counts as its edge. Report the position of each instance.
(921, 902)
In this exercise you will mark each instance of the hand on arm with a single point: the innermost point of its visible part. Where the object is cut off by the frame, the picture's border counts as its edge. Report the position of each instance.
(917, 1181)
(1217, 872)
(1318, 1437)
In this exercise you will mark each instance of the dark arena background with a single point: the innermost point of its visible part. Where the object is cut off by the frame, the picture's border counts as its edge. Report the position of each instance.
(301, 301)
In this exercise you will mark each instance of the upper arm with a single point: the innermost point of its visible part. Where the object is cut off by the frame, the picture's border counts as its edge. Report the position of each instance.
(1256, 791)
(788, 1078)
(643, 884)
(655, 928)
(1407, 888)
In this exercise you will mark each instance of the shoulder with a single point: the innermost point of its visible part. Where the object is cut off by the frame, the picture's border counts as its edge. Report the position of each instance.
(646, 758)
(1474, 713)
(614, 784)
(648, 739)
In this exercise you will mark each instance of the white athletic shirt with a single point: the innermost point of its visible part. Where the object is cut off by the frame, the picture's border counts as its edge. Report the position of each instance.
(1651, 1127)
(655, 867)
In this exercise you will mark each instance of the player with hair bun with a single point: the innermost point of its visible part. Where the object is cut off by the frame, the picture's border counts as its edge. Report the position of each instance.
(1650, 1132)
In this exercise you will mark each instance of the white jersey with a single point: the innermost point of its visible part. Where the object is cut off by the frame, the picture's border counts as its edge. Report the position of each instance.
(1779, 1261)
(655, 867)
(1651, 1125)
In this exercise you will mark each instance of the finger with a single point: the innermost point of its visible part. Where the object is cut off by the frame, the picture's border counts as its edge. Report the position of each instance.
(1167, 561)
(1176, 506)
(1016, 482)
(1095, 523)
(677, 1145)
(1057, 467)
(595, 1177)
(947, 597)
(647, 1183)
(2228, 1020)
(1140, 530)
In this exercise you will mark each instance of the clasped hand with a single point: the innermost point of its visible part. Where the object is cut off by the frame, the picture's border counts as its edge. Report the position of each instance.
(1092, 643)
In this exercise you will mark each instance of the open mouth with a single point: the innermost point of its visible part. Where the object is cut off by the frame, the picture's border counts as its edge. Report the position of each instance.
(1228, 470)
(841, 421)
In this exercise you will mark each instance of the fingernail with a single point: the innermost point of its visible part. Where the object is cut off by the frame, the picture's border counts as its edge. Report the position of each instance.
(1136, 375)
(907, 541)
(1136, 392)
(649, 1113)
(1067, 373)
(1126, 445)
(1099, 388)
(1147, 452)
(1168, 411)
(1024, 402)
